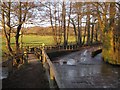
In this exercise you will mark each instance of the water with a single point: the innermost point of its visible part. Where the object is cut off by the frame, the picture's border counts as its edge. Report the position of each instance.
(88, 72)
(71, 62)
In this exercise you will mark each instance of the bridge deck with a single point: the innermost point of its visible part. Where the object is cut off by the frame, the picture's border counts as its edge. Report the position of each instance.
(86, 72)
(31, 75)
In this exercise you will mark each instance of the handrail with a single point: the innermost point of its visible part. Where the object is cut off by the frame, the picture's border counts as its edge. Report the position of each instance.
(11, 61)
(70, 46)
(52, 71)
(52, 47)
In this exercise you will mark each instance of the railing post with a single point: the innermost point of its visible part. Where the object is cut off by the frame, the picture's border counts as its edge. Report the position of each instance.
(25, 57)
(51, 78)
(43, 54)
(69, 47)
(65, 47)
(40, 55)
(75, 46)
(44, 58)
(72, 47)
(50, 47)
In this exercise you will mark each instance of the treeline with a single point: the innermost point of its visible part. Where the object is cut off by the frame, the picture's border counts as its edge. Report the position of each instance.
(44, 31)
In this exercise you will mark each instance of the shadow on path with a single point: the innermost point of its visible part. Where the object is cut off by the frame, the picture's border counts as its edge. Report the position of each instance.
(31, 75)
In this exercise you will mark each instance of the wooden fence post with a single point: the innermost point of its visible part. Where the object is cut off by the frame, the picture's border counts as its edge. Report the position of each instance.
(72, 47)
(65, 47)
(51, 78)
(25, 57)
(69, 47)
(43, 57)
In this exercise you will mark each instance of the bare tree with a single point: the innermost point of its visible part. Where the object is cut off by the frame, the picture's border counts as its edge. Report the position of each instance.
(64, 23)
(14, 14)
(6, 9)
(22, 14)
(88, 23)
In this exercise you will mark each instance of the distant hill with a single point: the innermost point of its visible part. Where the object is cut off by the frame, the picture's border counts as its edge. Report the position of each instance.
(38, 30)
(42, 30)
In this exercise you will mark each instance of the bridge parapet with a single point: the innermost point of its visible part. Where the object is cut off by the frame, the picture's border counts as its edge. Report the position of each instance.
(51, 71)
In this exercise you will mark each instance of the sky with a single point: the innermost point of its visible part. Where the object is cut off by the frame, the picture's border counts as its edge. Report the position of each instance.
(37, 21)
(63, 0)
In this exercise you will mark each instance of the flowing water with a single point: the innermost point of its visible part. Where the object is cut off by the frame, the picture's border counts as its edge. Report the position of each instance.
(87, 72)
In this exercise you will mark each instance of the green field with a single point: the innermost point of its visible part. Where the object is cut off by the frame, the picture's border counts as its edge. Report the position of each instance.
(35, 39)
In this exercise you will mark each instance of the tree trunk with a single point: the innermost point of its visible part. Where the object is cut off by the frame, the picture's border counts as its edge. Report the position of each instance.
(84, 35)
(17, 38)
(96, 32)
(79, 31)
(74, 26)
(88, 29)
(7, 30)
(51, 21)
(59, 28)
(64, 24)
(69, 20)
(92, 33)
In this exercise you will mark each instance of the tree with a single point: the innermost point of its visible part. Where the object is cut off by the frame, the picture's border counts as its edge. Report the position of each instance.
(88, 23)
(14, 14)
(64, 23)
(6, 9)
(22, 14)
(78, 10)
(54, 13)
(69, 17)
(110, 49)
(108, 27)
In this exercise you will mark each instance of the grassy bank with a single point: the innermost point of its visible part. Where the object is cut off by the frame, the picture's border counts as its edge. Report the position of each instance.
(47, 40)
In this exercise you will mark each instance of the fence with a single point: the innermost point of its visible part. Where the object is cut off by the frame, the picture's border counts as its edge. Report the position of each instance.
(70, 46)
(14, 61)
(51, 71)
(32, 49)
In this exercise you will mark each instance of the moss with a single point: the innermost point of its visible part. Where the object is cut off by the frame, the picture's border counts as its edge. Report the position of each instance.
(106, 42)
(111, 61)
